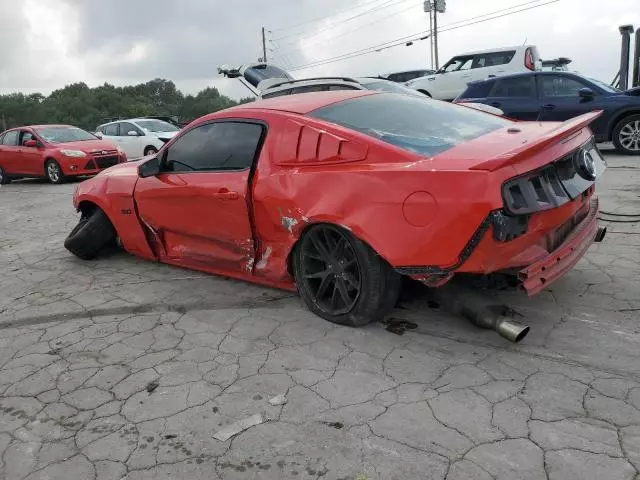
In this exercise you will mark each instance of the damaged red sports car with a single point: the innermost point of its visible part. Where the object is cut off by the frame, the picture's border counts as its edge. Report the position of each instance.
(339, 194)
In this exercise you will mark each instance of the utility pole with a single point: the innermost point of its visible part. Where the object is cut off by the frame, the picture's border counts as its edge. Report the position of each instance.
(433, 7)
(435, 35)
(264, 46)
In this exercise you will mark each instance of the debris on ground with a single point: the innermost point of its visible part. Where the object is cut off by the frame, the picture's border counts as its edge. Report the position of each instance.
(399, 326)
(278, 400)
(336, 425)
(151, 386)
(237, 427)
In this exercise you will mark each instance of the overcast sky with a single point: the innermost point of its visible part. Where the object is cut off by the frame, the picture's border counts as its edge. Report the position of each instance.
(48, 44)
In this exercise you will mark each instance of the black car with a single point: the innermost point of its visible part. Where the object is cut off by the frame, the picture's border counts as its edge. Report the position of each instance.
(558, 96)
(403, 77)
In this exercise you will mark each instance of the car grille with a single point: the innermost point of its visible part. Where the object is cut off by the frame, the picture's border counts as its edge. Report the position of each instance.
(106, 162)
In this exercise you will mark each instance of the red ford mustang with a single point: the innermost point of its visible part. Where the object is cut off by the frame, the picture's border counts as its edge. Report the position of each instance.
(54, 152)
(339, 194)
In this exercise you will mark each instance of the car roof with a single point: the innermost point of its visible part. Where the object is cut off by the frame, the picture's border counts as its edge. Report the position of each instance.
(302, 103)
(525, 74)
(491, 50)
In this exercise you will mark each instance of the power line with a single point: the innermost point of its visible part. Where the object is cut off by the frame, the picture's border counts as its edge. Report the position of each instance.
(334, 37)
(401, 40)
(320, 19)
(385, 4)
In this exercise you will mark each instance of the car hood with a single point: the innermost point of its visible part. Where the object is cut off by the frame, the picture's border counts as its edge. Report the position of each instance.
(88, 146)
(165, 135)
(633, 92)
(122, 169)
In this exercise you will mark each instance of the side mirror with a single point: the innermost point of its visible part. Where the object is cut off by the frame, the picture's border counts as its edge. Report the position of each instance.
(586, 93)
(150, 168)
(99, 135)
(132, 133)
(31, 143)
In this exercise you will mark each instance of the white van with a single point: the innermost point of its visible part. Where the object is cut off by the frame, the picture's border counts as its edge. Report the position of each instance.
(451, 80)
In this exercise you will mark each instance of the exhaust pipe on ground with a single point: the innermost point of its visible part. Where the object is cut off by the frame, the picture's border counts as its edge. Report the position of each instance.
(479, 310)
(494, 318)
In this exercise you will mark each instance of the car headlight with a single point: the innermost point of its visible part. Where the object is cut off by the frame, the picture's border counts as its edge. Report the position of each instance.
(73, 153)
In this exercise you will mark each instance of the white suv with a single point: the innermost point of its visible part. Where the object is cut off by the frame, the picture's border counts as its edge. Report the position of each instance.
(138, 137)
(451, 80)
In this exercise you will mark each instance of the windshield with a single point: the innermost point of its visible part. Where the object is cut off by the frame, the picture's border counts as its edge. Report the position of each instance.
(391, 87)
(424, 127)
(156, 126)
(604, 86)
(64, 134)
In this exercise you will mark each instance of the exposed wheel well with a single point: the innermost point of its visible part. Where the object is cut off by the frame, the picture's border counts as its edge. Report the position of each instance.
(306, 228)
(87, 208)
(618, 119)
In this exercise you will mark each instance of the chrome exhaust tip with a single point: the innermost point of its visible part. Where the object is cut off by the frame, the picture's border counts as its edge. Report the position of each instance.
(600, 234)
(512, 331)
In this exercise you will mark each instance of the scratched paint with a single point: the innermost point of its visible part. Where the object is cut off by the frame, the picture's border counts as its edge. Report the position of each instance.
(265, 258)
(289, 223)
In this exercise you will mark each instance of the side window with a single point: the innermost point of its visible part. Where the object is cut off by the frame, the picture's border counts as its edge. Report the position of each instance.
(559, 86)
(279, 93)
(111, 130)
(10, 138)
(456, 63)
(215, 146)
(25, 136)
(515, 87)
(342, 87)
(100, 129)
(126, 127)
(493, 59)
(310, 88)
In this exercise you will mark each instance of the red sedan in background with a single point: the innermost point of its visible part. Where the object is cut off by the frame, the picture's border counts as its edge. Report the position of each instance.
(54, 152)
(339, 194)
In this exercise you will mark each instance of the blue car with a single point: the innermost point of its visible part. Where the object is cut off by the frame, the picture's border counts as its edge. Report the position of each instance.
(558, 96)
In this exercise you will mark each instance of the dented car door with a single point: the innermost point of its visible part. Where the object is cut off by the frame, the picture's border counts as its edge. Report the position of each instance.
(197, 208)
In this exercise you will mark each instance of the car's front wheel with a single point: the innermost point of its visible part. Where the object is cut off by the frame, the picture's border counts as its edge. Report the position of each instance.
(626, 135)
(150, 151)
(4, 179)
(53, 172)
(341, 279)
(92, 234)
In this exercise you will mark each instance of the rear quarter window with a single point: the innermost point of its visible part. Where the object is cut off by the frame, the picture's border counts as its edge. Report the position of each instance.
(415, 124)
(478, 90)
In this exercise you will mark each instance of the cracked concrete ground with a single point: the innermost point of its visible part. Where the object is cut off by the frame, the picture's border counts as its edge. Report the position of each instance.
(120, 368)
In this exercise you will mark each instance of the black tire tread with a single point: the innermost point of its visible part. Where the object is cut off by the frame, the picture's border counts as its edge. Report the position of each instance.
(91, 235)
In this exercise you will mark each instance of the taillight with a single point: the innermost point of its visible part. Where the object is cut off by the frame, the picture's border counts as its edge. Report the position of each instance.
(528, 60)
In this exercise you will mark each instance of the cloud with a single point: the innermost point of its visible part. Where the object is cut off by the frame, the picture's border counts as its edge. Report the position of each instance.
(49, 44)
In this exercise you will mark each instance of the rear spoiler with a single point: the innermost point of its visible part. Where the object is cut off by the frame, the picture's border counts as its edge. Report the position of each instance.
(558, 134)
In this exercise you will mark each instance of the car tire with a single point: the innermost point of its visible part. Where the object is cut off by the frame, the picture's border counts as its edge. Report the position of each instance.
(341, 279)
(4, 179)
(150, 151)
(91, 235)
(53, 172)
(626, 135)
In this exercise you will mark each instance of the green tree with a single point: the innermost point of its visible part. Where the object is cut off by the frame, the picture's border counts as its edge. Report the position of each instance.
(78, 104)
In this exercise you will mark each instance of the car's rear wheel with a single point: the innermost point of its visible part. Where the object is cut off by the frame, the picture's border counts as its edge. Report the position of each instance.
(341, 279)
(53, 172)
(91, 235)
(4, 179)
(150, 151)
(626, 135)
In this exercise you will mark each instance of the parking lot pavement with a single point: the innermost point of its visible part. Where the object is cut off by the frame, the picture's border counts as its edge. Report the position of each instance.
(120, 368)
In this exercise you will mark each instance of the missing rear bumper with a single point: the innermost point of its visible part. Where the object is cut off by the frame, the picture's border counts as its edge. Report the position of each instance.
(544, 272)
